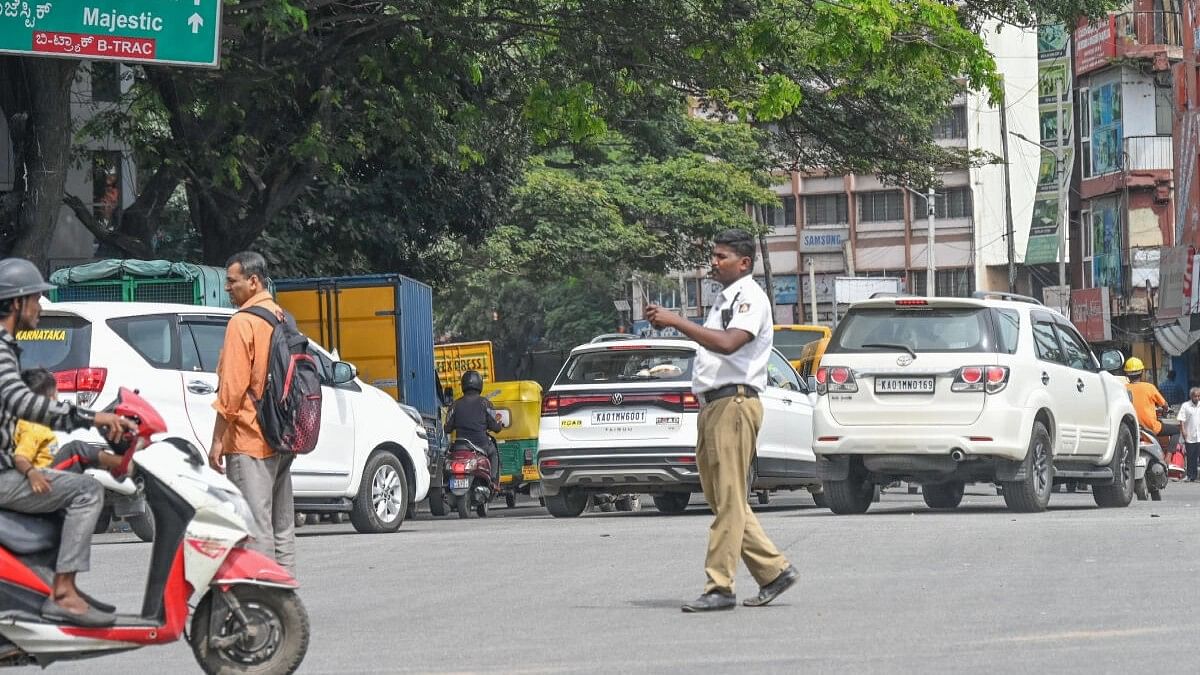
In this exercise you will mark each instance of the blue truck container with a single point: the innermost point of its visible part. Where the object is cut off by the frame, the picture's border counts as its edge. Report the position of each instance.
(383, 324)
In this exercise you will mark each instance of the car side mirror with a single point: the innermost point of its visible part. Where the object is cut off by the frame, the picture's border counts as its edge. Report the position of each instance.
(343, 373)
(1112, 360)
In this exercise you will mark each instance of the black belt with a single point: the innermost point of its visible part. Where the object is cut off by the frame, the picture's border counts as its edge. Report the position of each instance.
(727, 391)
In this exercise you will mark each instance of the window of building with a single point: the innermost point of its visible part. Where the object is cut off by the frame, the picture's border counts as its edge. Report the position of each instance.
(948, 283)
(880, 206)
(1163, 111)
(106, 81)
(952, 203)
(1085, 244)
(107, 184)
(831, 209)
(781, 216)
(1085, 131)
(952, 125)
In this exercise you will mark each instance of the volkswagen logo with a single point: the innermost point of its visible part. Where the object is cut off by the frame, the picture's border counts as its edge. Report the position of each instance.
(904, 360)
(618, 398)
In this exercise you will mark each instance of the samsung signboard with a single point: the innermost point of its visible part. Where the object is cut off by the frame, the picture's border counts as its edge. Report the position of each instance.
(823, 240)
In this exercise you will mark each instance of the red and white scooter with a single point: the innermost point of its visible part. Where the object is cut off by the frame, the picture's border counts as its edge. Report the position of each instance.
(248, 618)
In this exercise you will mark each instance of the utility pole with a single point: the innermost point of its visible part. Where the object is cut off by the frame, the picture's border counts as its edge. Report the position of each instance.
(1008, 215)
(930, 267)
(766, 259)
(1059, 159)
(812, 289)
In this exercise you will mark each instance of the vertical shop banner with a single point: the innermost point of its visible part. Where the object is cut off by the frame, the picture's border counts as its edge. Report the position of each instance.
(1054, 75)
(1106, 242)
(1091, 313)
(1106, 137)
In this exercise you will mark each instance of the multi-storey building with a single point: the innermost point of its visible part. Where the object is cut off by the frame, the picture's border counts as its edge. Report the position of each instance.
(858, 225)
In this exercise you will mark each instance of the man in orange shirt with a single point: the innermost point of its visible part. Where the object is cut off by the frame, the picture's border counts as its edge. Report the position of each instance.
(1147, 401)
(238, 444)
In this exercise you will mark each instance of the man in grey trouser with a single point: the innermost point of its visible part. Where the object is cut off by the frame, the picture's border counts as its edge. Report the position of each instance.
(262, 474)
(25, 488)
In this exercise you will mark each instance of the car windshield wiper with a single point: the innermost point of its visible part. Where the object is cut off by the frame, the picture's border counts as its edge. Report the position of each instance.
(885, 345)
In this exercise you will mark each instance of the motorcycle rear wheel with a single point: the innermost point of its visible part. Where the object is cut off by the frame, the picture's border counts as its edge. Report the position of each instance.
(437, 501)
(277, 650)
(463, 505)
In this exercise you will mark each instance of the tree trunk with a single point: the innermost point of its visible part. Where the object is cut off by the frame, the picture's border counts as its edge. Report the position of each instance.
(766, 259)
(46, 159)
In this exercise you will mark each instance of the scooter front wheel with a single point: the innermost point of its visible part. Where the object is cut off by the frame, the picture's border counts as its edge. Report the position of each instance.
(224, 645)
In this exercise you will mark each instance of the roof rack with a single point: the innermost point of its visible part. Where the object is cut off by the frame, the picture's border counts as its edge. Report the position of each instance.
(612, 337)
(1011, 297)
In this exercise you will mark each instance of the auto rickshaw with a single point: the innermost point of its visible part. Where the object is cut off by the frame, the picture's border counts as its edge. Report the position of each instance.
(518, 406)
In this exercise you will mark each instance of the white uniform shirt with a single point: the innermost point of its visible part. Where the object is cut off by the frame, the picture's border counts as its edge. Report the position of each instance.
(1189, 422)
(748, 309)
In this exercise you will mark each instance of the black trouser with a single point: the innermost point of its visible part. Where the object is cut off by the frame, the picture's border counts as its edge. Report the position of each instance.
(1193, 458)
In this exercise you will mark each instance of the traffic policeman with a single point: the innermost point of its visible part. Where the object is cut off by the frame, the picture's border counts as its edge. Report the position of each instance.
(729, 373)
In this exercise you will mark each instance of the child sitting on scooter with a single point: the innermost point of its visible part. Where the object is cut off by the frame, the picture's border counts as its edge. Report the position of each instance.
(39, 444)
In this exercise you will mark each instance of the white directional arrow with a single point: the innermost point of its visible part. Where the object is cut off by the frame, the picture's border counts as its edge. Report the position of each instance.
(196, 2)
(195, 21)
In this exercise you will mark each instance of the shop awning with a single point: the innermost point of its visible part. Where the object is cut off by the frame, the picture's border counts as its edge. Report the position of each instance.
(1176, 335)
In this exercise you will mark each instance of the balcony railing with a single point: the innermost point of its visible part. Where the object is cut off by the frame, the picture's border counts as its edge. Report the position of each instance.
(1148, 153)
(1149, 28)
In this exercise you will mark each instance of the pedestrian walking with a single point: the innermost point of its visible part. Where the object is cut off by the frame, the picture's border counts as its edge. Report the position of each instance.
(1189, 427)
(730, 371)
(239, 446)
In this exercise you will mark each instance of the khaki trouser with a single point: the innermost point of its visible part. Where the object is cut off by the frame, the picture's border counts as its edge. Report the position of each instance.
(267, 486)
(728, 434)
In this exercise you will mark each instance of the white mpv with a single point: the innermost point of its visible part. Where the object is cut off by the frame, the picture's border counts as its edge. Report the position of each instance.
(370, 460)
(948, 391)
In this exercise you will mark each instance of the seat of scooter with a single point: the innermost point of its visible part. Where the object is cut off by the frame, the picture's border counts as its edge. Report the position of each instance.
(26, 533)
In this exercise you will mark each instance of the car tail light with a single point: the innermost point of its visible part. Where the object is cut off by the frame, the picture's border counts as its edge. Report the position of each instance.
(550, 464)
(690, 402)
(990, 379)
(912, 303)
(835, 380)
(550, 405)
(85, 383)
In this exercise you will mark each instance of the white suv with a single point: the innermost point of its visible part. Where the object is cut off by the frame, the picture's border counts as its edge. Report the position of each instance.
(949, 391)
(621, 418)
(371, 458)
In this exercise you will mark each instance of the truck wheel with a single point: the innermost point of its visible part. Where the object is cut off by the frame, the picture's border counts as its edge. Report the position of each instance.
(1120, 493)
(943, 495)
(382, 499)
(437, 501)
(1032, 494)
(568, 503)
(672, 503)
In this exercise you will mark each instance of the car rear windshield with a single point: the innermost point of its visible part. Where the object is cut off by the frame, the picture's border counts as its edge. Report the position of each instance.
(921, 329)
(58, 343)
(622, 364)
(791, 343)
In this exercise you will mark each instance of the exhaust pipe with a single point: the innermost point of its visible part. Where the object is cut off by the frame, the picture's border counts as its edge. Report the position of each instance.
(957, 455)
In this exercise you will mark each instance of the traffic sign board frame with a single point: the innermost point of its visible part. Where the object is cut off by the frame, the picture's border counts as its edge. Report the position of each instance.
(163, 32)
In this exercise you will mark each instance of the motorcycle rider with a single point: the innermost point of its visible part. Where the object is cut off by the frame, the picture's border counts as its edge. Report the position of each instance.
(1149, 402)
(472, 417)
(28, 489)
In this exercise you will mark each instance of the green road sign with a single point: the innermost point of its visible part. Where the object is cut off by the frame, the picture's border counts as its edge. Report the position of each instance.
(178, 32)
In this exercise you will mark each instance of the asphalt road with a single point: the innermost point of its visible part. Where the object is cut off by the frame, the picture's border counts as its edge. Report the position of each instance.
(901, 589)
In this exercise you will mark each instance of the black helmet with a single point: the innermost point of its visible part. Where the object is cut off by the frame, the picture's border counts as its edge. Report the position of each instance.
(19, 278)
(472, 381)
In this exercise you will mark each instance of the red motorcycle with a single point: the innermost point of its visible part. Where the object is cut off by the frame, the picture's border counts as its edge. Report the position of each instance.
(468, 474)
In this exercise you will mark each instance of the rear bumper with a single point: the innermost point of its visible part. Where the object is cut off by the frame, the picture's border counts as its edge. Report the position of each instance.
(631, 470)
(997, 433)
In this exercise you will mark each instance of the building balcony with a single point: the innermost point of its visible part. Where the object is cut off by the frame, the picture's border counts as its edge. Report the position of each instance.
(1148, 153)
(1156, 35)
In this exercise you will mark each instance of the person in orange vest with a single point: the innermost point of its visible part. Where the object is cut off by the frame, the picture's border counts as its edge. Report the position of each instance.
(1148, 402)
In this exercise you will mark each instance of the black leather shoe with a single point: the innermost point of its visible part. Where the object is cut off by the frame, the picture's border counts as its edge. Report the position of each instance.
(710, 602)
(767, 593)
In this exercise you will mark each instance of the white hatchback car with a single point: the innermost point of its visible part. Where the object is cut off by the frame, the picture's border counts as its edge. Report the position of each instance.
(949, 391)
(621, 418)
(371, 458)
